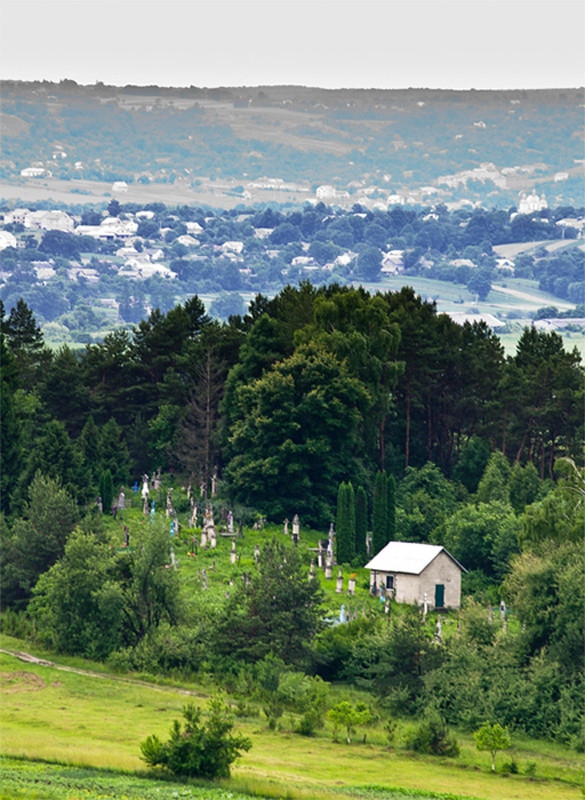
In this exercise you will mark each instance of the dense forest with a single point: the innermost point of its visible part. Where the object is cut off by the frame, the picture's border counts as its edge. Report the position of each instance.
(315, 389)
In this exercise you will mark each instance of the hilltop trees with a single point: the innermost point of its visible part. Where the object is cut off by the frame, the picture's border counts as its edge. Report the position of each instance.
(295, 434)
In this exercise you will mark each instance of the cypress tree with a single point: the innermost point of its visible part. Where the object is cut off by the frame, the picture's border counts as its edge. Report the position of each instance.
(361, 523)
(340, 522)
(380, 512)
(107, 490)
(391, 528)
(345, 523)
(351, 521)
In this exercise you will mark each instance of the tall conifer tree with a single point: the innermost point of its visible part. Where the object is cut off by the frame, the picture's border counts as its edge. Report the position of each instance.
(380, 512)
(361, 522)
(391, 519)
(345, 523)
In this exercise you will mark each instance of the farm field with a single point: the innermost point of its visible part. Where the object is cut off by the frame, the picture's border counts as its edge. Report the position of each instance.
(519, 298)
(88, 721)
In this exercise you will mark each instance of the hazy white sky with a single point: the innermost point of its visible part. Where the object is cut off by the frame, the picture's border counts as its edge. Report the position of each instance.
(460, 44)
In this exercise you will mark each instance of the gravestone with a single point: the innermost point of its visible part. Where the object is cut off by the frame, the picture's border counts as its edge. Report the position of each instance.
(342, 617)
(122, 501)
(145, 489)
(256, 552)
(328, 569)
(339, 586)
(233, 552)
(203, 542)
(296, 528)
(230, 522)
(126, 536)
(312, 570)
(351, 586)
(330, 543)
(320, 556)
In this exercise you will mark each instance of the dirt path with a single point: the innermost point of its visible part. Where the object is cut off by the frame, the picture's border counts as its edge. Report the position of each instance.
(28, 658)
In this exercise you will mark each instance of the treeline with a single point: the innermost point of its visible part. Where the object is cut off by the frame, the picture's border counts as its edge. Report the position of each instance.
(312, 388)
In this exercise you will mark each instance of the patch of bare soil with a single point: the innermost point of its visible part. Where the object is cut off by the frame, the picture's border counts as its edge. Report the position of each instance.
(21, 681)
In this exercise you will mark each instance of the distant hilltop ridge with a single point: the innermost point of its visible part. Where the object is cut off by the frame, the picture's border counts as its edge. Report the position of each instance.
(422, 145)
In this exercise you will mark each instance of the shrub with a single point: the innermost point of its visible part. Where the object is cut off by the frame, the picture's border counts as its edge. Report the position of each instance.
(196, 750)
(432, 736)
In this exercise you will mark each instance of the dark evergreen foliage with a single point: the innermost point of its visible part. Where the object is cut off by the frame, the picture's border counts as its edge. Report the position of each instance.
(361, 523)
(380, 512)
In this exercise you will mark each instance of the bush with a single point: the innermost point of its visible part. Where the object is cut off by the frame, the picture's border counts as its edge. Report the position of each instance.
(432, 737)
(196, 750)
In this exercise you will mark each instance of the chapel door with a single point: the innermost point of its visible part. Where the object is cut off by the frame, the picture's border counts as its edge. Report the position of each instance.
(439, 595)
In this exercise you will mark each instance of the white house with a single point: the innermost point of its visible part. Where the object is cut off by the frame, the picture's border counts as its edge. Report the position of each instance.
(49, 221)
(34, 172)
(411, 571)
(7, 239)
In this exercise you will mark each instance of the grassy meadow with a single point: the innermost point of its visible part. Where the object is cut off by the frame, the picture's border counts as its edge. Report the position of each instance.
(71, 728)
(56, 716)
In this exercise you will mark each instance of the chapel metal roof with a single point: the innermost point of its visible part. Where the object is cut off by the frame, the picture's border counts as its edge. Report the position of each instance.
(409, 557)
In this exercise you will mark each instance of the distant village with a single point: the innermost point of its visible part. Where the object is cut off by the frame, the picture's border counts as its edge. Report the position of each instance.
(138, 243)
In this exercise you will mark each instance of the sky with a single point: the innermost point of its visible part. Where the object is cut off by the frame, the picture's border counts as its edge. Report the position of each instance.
(386, 44)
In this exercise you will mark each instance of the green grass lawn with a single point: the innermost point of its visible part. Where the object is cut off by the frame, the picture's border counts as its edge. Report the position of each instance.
(99, 721)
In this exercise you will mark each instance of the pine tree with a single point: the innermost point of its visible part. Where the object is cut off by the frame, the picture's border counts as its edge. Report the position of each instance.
(361, 522)
(391, 519)
(380, 512)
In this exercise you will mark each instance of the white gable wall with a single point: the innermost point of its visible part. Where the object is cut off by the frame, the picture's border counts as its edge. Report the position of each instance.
(411, 589)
